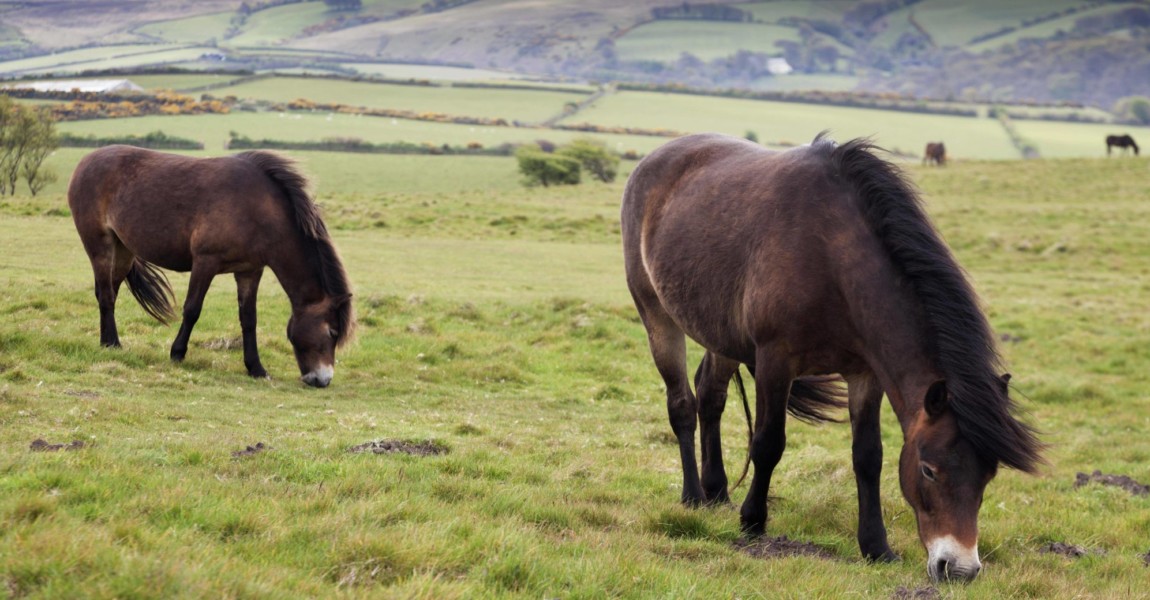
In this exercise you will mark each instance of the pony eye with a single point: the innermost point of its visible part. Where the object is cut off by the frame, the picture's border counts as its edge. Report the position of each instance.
(333, 333)
(928, 473)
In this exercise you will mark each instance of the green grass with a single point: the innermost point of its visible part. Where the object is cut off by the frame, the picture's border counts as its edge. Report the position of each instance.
(1043, 30)
(798, 123)
(508, 104)
(85, 56)
(431, 72)
(179, 81)
(281, 23)
(1057, 139)
(197, 29)
(159, 57)
(664, 41)
(303, 126)
(488, 329)
(772, 11)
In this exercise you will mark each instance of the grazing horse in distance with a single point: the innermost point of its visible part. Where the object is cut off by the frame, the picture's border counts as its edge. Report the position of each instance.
(800, 264)
(137, 209)
(935, 153)
(1123, 141)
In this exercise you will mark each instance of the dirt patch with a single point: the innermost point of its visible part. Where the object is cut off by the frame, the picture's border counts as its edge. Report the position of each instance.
(250, 450)
(84, 394)
(1069, 550)
(1121, 481)
(40, 445)
(1146, 559)
(922, 593)
(778, 547)
(426, 448)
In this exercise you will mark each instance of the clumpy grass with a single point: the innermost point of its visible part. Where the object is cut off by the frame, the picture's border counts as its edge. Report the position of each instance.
(521, 354)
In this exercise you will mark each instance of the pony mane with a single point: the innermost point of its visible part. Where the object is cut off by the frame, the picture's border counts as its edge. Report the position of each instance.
(961, 341)
(333, 278)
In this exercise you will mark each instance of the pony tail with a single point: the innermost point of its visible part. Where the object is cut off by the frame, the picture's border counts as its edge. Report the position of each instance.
(151, 289)
(812, 397)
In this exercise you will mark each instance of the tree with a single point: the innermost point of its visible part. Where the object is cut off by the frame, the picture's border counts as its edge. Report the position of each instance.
(1134, 108)
(593, 156)
(751, 136)
(540, 168)
(44, 142)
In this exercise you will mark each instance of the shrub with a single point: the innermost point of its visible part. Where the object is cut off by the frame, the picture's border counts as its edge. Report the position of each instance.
(540, 168)
(594, 157)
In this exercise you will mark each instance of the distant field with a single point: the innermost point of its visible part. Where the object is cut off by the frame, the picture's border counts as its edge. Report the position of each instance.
(798, 123)
(398, 71)
(87, 55)
(955, 23)
(179, 81)
(770, 12)
(1055, 139)
(190, 30)
(1045, 29)
(213, 130)
(273, 25)
(508, 104)
(665, 41)
(125, 62)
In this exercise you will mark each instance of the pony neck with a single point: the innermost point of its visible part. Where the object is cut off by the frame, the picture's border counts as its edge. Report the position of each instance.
(297, 270)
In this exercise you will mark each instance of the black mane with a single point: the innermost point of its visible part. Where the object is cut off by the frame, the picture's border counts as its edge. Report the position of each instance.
(961, 339)
(333, 278)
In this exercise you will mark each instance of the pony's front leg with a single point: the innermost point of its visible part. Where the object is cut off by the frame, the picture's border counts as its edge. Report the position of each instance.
(247, 289)
(772, 389)
(198, 284)
(711, 382)
(865, 399)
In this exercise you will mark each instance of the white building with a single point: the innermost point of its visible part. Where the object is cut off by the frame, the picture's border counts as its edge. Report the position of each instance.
(98, 86)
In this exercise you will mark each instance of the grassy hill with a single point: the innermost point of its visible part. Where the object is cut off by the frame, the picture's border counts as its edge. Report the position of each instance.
(1076, 50)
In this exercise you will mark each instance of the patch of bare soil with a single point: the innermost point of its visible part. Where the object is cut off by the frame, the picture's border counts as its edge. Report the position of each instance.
(777, 547)
(1069, 550)
(250, 450)
(1121, 481)
(427, 448)
(922, 593)
(40, 445)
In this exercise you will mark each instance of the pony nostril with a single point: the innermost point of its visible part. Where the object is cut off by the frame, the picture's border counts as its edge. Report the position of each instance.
(942, 567)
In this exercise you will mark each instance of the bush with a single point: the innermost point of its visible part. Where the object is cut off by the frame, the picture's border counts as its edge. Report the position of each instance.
(1134, 108)
(594, 157)
(540, 168)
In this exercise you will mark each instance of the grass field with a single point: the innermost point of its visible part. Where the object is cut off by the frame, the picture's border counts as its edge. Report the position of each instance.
(179, 81)
(495, 322)
(85, 56)
(213, 130)
(1055, 139)
(508, 104)
(798, 123)
(192, 30)
(664, 41)
(274, 25)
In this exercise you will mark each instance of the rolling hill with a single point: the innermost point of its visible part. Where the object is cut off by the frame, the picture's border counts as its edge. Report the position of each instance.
(1086, 51)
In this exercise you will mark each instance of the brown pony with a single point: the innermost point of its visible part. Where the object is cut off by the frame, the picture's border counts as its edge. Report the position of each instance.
(137, 209)
(935, 154)
(1124, 141)
(809, 262)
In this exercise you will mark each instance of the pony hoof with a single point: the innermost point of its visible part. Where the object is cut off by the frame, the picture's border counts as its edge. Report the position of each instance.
(886, 557)
(259, 373)
(754, 530)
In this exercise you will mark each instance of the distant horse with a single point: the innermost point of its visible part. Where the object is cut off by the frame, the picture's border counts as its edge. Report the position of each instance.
(935, 153)
(809, 262)
(137, 209)
(1123, 141)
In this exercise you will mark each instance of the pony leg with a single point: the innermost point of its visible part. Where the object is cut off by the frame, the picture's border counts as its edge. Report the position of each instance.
(865, 400)
(111, 262)
(198, 284)
(711, 382)
(669, 349)
(247, 287)
(772, 389)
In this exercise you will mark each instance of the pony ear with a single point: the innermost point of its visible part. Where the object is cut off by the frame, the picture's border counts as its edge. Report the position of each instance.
(1004, 379)
(936, 402)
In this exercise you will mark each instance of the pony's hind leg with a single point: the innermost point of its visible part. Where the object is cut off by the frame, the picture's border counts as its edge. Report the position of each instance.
(711, 382)
(865, 399)
(111, 262)
(669, 350)
(772, 391)
(247, 288)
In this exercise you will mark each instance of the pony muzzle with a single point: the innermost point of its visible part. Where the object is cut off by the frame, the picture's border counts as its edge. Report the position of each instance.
(950, 560)
(320, 377)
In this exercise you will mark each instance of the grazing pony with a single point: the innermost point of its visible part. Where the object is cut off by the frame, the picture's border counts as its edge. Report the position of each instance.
(137, 210)
(1123, 141)
(935, 154)
(815, 261)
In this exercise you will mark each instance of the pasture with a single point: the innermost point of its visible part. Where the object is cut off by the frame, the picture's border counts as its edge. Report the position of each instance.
(495, 323)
